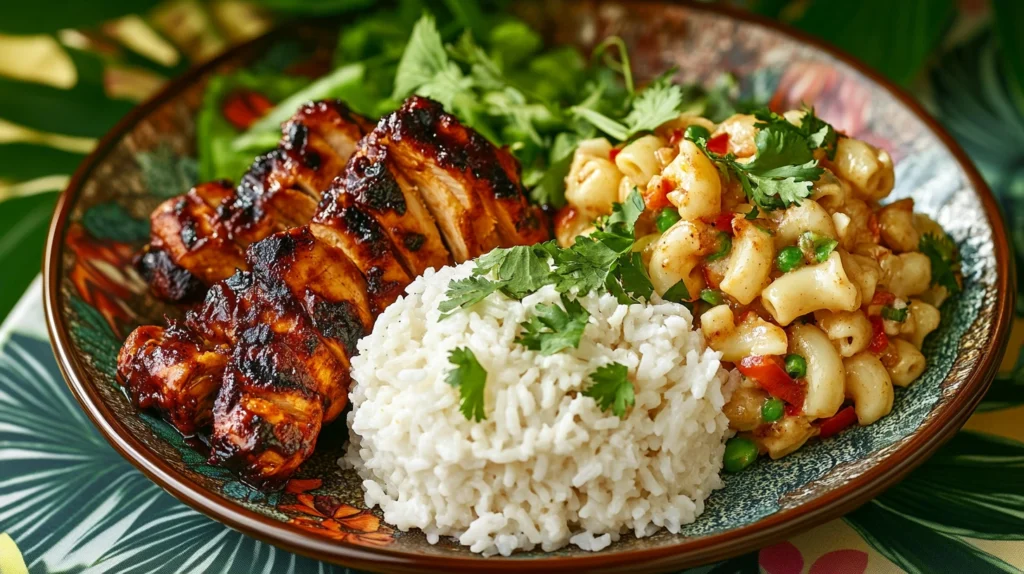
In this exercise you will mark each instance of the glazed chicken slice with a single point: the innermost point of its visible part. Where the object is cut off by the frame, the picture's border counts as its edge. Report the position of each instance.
(174, 372)
(383, 191)
(471, 187)
(279, 191)
(192, 234)
(411, 134)
(190, 246)
(328, 287)
(279, 384)
(344, 225)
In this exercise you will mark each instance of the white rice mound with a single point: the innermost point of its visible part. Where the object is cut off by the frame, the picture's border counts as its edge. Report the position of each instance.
(546, 467)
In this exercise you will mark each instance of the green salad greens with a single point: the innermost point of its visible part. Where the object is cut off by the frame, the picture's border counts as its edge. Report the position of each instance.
(488, 68)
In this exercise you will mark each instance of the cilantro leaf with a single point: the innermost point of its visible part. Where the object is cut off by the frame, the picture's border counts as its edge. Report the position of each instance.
(658, 103)
(781, 173)
(611, 389)
(466, 293)
(617, 230)
(634, 278)
(469, 377)
(552, 329)
(521, 270)
(945, 259)
(584, 266)
(815, 131)
(424, 58)
(678, 293)
(782, 153)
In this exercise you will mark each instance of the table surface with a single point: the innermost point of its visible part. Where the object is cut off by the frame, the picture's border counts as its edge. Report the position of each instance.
(70, 503)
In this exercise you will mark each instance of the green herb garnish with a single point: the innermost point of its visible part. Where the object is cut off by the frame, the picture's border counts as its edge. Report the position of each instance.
(611, 389)
(712, 297)
(945, 259)
(552, 329)
(782, 171)
(469, 377)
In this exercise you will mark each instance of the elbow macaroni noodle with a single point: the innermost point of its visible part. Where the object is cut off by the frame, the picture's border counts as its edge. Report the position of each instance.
(857, 314)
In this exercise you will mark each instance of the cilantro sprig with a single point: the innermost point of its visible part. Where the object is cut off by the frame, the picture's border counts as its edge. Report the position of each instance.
(552, 329)
(945, 260)
(470, 377)
(784, 168)
(602, 261)
(611, 388)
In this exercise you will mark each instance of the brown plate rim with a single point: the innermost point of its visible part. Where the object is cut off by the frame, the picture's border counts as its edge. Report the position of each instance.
(688, 552)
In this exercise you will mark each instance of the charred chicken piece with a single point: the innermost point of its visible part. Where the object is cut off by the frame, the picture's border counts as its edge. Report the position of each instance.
(286, 376)
(326, 285)
(471, 187)
(194, 237)
(278, 192)
(383, 191)
(279, 333)
(174, 372)
(346, 226)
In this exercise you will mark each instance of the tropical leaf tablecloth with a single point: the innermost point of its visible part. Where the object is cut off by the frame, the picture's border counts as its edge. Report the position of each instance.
(70, 503)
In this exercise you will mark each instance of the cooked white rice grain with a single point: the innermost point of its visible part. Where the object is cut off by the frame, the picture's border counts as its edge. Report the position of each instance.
(547, 467)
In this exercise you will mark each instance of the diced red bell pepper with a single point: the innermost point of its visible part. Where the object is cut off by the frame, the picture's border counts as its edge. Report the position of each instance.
(614, 153)
(719, 144)
(837, 422)
(676, 136)
(879, 340)
(883, 298)
(723, 222)
(793, 410)
(768, 372)
(656, 197)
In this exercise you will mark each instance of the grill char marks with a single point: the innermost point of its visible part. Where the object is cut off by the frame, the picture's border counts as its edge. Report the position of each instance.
(415, 138)
(343, 224)
(383, 191)
(437, 151)
(281, 384)
(323, 281)
(189, 231)
(279, 191)
(173, 372)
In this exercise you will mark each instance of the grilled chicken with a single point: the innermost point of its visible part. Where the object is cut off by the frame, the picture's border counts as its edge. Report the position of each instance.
(471, 187)
(274, 340)
(197, 239)
(173, 372)
(193, 236)
(384, 192)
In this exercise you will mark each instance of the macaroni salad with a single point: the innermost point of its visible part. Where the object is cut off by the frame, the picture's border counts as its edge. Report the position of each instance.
(771, 226)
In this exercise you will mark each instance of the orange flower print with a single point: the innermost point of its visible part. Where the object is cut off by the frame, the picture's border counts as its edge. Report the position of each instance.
(327, 516)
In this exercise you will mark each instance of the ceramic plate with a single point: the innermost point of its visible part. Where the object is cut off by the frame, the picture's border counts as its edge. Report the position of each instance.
(94, 299)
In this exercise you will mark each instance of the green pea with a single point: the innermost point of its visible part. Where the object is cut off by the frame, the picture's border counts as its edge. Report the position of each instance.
(712, 297)
(789, 258)
(796, 366)
(666, 218)
(772, 410)
(739, 454)
(724, 245)
(695, 132)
